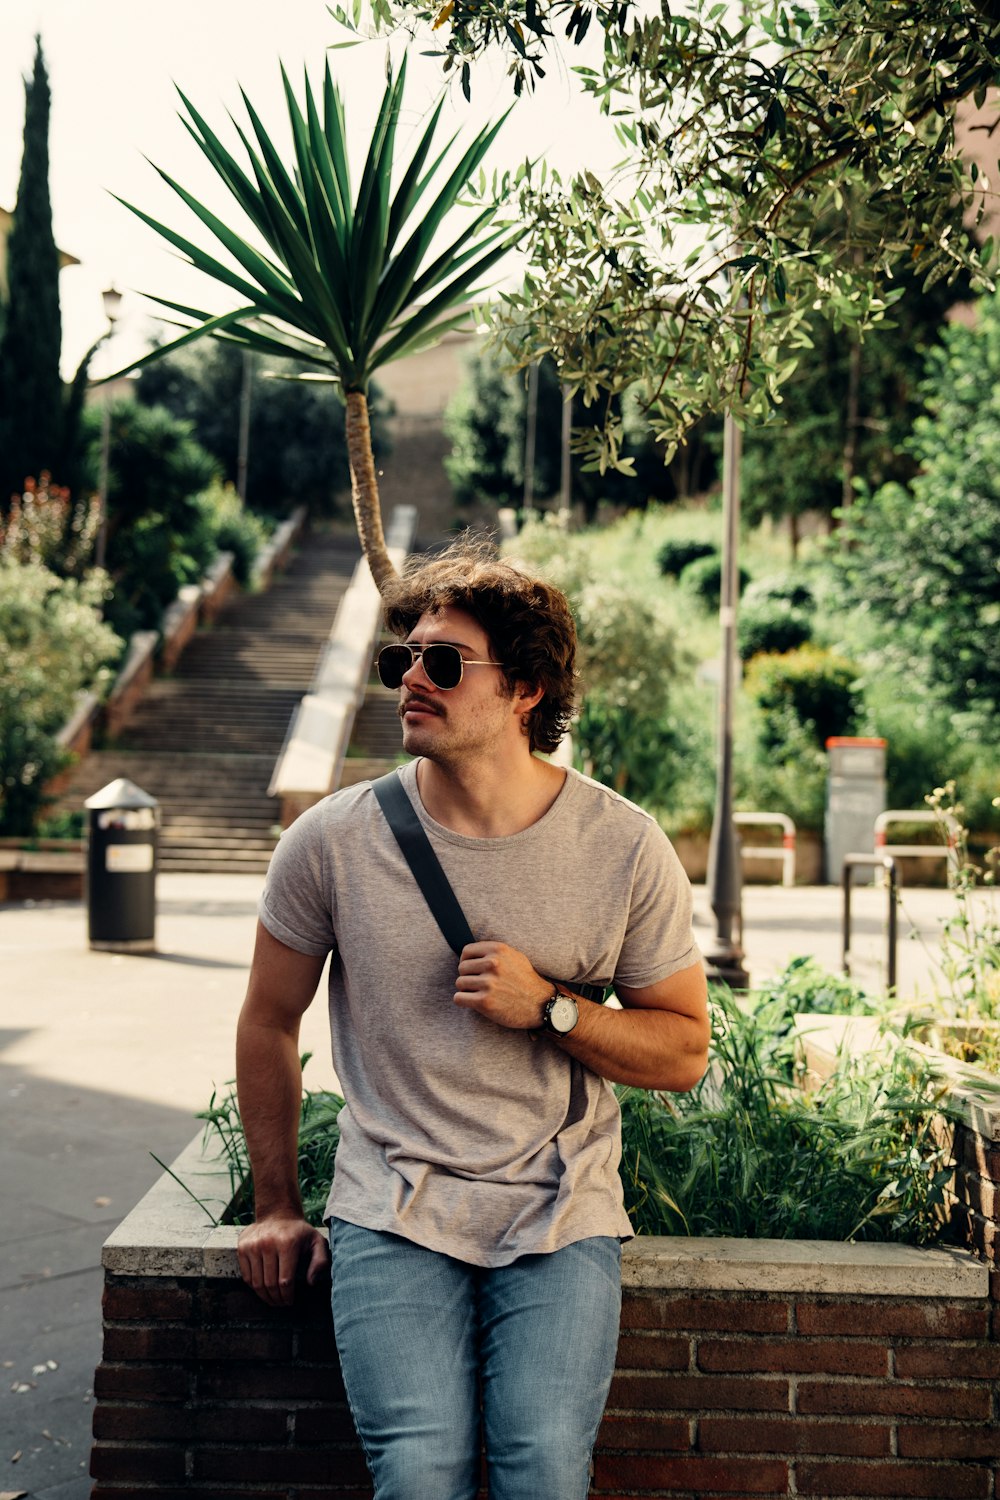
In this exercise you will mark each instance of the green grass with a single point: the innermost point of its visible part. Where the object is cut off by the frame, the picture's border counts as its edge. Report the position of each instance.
(744, 1154)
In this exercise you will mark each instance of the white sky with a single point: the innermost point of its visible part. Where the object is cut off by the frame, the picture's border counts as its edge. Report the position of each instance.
(112, 67)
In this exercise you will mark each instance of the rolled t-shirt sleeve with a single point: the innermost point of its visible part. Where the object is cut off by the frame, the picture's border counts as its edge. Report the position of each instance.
(659, 939)
(296, 905)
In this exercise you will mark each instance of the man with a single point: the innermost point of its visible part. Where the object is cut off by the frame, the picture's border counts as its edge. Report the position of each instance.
(476, 1213)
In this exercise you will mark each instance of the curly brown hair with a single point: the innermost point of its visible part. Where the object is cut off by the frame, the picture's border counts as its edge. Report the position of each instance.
(528, 621)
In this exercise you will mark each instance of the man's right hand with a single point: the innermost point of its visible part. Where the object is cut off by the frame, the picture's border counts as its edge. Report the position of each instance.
(274, 1251)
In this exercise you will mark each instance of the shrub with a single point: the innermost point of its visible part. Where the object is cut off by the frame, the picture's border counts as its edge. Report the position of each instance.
(44, 526)
(745, 1153)
(703, 579)
(233, 528)
(782, 588)
(676, 554)
(772, 626)
(817, 686)
(53, 642)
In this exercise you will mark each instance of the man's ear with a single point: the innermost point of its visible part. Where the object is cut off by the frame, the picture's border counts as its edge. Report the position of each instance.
(527, 695)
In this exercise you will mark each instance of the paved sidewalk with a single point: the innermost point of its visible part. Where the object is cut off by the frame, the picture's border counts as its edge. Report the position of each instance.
(105, 1058)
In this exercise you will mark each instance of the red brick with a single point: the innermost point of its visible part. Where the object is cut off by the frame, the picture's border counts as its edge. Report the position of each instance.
(281, 1467)
(948, 1440)
(972, 1150)
(316, 1345)
(974, 1232)
(947, 1362)
(792, 1435)
(288, 1382)
(233, 1302)
(982, 1195)
(931, 1481)
(918, 1320)
(142, 1382)
(732, 1314)
(698, 1393)
(148, 1345)
(702, 1476)
(256, 1344)
(665, 1434)
(995, 1285)
(324, 1424)
(891, 1398)
(149, 1302)
(793, 1356)
(649, 1352)
(136, 1462)
(220, 1424)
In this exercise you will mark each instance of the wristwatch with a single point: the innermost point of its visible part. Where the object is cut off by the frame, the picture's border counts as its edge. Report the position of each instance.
(561, 1012)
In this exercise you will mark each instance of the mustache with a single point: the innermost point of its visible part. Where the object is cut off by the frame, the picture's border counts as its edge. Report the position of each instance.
(426, 703)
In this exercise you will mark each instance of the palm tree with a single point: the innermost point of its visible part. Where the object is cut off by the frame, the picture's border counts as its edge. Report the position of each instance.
(349, 284)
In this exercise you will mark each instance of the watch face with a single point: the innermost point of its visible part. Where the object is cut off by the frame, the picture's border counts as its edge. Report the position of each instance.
(563, 1014)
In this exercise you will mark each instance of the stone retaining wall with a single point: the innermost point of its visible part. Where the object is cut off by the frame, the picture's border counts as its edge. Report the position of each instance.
(745, 1368)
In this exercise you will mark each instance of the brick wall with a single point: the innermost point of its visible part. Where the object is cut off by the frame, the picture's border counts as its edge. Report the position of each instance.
(204, 1389)
(975, 1205)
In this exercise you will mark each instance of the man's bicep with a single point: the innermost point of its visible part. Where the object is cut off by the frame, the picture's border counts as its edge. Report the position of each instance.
(282, 982)
(685, 993)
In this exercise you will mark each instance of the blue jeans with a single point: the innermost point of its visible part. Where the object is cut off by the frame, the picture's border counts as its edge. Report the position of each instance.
(422, 1338)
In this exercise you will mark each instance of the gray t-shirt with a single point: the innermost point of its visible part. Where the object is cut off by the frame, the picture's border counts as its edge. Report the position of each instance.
(467, 1137)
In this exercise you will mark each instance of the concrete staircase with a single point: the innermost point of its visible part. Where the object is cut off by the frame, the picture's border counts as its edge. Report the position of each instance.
(204, 742)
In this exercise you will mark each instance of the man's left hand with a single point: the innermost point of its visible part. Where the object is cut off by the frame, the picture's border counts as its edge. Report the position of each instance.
(500, 983)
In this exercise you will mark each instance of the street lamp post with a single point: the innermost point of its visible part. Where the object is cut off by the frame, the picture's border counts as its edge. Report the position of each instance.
(112, 299)
(724, 954)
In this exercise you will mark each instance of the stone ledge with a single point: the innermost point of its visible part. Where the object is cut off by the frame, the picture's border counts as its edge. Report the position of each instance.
(169, 1234)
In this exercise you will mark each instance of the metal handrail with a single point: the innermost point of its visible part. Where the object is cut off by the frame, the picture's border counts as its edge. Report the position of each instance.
(948, 850)
(785, 851)
(871, 862)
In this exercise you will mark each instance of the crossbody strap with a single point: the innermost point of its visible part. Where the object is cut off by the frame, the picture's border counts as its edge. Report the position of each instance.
(430, 877)
(423, 862)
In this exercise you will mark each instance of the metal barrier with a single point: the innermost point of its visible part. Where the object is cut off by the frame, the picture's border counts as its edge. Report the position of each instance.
(786, 852)
(947, 850)
(872, 861)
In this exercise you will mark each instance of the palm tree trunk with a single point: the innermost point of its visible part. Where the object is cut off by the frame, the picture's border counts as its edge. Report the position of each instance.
(364, 489)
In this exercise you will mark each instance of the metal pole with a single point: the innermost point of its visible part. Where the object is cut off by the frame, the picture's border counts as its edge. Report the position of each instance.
(244, 440)
(530, 436)
(724, 957)
(102, 483)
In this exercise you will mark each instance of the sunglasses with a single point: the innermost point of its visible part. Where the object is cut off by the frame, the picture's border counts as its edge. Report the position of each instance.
(443, 664)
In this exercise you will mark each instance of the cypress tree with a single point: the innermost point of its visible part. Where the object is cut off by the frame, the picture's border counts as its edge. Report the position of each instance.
(31, 393)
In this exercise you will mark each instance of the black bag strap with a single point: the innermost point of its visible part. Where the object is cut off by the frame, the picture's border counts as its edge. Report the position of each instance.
(423, 862)
(430, 877)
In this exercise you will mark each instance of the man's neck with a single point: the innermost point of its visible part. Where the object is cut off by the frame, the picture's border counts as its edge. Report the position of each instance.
(491, 800)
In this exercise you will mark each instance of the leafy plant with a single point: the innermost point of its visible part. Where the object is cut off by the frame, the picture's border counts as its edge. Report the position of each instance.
(817, 686)
(766, 141)
(349, 283)
(319, 1135)
(772, 626)
(703, 579)
(747, 1154)
(677, 552)
(234, 528)
(53, 643)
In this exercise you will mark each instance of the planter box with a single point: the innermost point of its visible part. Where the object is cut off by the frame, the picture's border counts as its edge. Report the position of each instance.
(766, 1368)
(974, 1199)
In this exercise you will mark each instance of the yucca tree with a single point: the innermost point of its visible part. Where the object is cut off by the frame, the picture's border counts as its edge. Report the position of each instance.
(350, 283)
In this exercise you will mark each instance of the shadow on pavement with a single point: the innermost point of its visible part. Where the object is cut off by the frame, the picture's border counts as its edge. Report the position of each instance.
(74, 1162)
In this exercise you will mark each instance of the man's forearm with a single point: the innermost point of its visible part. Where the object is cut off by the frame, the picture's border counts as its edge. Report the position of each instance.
(269, 1085)
(649, 1049)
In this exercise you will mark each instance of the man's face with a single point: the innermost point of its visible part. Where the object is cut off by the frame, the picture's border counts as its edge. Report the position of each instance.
(476, 716)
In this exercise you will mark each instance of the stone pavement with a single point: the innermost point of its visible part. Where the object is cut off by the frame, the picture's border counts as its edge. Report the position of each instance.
(105, 1059)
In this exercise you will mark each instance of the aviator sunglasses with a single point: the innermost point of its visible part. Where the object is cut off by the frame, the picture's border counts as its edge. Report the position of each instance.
(443, 664)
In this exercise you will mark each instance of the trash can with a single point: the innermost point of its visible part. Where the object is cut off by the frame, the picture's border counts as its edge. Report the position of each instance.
(121, 868)
(855, 795)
